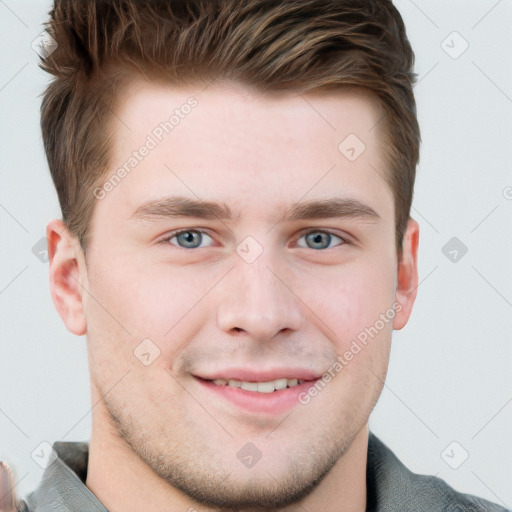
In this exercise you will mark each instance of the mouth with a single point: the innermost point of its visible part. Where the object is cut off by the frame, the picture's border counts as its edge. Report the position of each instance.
(268, 397)
(260, 387)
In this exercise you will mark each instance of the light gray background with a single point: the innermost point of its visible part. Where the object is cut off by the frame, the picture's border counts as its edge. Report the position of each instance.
(449, 378)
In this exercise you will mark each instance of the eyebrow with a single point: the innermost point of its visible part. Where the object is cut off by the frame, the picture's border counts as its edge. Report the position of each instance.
(181, 206)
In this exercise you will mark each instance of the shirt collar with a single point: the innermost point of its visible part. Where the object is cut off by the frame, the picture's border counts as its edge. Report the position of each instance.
(62, 487)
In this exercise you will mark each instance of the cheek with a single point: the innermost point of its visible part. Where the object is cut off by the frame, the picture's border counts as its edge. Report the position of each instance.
(130, 304)
(353, 298)
(145, 298)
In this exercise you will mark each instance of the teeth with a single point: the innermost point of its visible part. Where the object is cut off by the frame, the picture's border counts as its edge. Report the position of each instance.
(249, 386)
(280, 384)
(265, 387)
(260, 387)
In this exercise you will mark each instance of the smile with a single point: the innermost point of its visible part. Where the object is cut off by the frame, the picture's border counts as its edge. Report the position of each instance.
(260, 387)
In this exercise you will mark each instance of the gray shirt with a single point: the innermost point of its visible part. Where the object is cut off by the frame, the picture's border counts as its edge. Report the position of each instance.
(391, 487)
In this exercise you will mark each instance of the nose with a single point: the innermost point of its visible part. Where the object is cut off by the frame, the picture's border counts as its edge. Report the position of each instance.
(258, 300)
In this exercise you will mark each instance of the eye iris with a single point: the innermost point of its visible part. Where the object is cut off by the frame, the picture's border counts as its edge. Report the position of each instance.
(188, 237)
(317, 238)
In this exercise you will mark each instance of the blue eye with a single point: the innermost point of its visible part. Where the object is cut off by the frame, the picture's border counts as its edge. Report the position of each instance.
(319, 239)
(192, 239)
(187, 239)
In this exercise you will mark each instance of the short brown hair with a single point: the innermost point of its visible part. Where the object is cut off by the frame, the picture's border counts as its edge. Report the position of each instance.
(270, 45)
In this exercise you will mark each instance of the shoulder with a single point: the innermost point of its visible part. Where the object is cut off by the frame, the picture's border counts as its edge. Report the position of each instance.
(394, 487)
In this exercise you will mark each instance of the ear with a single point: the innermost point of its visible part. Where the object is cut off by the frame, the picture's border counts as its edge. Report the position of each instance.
(407, 275)
(67, 276)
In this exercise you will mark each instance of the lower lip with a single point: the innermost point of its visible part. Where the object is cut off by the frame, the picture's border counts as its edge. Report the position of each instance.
(276, 402)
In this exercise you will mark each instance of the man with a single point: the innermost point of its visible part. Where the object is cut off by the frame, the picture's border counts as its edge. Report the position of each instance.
(235, 181)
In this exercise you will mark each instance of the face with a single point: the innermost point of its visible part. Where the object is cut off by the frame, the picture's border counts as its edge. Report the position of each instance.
(251, 242)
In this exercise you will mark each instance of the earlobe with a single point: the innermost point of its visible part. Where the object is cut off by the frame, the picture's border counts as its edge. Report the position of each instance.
(407, 275)
(66, 276)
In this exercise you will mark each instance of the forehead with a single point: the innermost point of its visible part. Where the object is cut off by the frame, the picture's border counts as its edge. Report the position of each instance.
(230, 143)
(336, 109)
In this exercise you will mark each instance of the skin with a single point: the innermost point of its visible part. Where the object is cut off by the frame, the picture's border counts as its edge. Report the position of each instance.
(7, 498)
(159, 441)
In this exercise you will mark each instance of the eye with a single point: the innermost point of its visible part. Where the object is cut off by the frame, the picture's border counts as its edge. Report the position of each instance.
(319, 239)
(187, 238)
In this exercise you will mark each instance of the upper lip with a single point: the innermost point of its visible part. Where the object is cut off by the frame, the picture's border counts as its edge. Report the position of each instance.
(254, 375)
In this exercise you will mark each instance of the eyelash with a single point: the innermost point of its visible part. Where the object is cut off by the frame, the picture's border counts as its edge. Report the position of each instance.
(173, 234)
